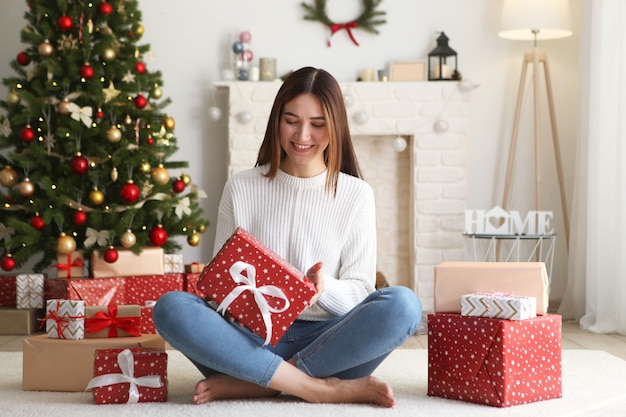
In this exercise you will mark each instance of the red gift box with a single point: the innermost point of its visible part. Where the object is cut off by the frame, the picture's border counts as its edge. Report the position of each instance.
(129, 376)
(494, 362)
(191, 284)
(8, 291)
(147, 321)
(114, 290)
(256, 287)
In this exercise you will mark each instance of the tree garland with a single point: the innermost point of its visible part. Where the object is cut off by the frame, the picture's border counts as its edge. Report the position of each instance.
(368, 20)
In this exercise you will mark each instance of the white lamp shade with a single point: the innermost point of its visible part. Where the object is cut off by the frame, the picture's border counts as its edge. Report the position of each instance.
(535, 19)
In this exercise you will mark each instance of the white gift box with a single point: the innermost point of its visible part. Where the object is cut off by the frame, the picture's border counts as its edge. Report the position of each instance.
(29, 288)
(174, 264)
(498, 306)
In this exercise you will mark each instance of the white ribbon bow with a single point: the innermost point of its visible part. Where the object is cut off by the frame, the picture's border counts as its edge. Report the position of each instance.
(93, 236)
(126, 362)
(81, 114)
(249, 284)
(183, 207)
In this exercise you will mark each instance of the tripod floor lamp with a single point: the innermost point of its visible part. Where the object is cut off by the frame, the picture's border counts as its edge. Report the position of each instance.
(534, 20)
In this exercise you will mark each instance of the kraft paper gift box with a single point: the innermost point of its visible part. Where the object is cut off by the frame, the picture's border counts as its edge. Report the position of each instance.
(71, 265)
(65, 319)
(173, 263)
(455, 279)
(498, 306)
(149, 262)
(112, 321)
(194, 268)
(8, 293)
(495, 362)
(124, 376)
(20, 322)
(67, 365)
(30, 290)
(254, 285)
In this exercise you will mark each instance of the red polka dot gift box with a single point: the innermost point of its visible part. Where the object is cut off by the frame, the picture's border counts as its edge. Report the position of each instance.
(126, 376)
(255, 286)
(495, 362)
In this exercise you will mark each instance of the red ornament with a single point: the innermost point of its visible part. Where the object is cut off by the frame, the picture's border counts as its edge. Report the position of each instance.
(178, 186)
(65, 23)
(27, 133)
(99, 114)
(140, 101)
(79, 164)
(140, 67)
(158, 236)
(86, 71)
(7, 263)
(23, 58)
(150, 140)
(110, 255)
(37, 222)
(105, 8)
(79, 218)
(129, 192)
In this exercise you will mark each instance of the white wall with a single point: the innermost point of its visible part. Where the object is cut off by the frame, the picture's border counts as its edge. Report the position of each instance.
(190, 40)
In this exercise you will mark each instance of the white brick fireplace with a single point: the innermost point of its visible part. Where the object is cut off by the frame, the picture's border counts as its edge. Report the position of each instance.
(421, 192)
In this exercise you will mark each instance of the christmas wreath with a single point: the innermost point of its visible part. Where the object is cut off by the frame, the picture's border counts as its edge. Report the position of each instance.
(367, 20)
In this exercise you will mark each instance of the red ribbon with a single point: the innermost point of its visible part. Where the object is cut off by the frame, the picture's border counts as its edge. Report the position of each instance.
(78, 262)
(335, 27)
(101, 320)
(62, 322)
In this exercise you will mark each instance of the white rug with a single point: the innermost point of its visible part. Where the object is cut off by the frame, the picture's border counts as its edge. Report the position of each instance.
(594, 384)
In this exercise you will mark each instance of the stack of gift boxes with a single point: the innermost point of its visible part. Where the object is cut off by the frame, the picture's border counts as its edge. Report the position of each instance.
(102, 318)
(491, 340)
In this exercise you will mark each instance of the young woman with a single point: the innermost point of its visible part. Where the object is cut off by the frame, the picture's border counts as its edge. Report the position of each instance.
(305, 199)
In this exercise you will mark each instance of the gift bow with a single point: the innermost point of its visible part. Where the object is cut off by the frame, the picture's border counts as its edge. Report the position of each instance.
(126, 363)
(335, 27)
(249, 284)
(101, 320)
(62, 322)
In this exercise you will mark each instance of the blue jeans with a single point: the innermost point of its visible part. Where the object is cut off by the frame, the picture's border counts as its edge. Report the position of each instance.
(347, 347)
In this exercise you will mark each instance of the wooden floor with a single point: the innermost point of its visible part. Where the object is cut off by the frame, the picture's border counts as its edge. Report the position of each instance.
(573, 337)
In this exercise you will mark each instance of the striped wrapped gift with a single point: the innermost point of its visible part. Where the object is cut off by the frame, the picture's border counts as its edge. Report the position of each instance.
(498, 305)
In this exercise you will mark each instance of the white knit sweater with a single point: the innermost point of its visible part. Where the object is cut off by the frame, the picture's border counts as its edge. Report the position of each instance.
(304, 224)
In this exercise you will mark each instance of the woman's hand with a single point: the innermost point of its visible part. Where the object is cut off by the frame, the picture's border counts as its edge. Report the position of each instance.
(317, 278)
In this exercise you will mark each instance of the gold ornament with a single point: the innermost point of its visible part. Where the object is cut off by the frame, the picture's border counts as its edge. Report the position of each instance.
(96, 197)
(128, 120)
(186, 179)
(139, 30)
(64, 107)
(169, 123)
(145, 167)
(45, 48)
(26, 188)
(113, 134)
(13, 99)
(114, 174)
(128, 239)
(202, 228)
(8, 177)
(194, 239)
(160, 175)
(109, 54)
(65, 244)
(156, 92)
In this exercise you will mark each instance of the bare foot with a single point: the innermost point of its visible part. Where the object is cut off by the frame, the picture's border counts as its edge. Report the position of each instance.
(223, 387)
(366, 390)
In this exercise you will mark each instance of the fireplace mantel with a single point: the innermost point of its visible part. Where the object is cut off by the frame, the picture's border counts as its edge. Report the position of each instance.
(433, 118)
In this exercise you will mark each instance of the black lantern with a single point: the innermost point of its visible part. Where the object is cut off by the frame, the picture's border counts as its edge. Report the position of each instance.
(442, 61)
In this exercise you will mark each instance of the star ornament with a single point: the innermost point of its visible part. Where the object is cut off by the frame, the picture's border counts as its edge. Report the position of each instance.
(162, 137)
(110, 92)
(129, 77)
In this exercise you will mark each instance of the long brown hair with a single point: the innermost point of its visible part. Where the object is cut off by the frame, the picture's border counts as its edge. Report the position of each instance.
(339, 155)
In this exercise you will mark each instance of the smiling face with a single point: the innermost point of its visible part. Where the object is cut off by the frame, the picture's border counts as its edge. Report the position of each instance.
(303, 136)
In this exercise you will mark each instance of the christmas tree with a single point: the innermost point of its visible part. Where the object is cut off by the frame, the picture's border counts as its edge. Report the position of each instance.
(85, 141)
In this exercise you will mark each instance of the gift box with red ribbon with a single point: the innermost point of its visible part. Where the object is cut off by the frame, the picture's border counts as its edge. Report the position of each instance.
(124, 376)
(112, 321)
(8, 291)
(255, 286)
(71, 265)
(194, 268)
(495, 362)
(65, 319)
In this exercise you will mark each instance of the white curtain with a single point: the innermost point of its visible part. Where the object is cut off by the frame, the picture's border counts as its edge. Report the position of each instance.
(596, 290)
